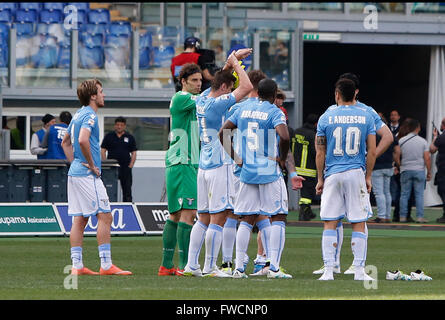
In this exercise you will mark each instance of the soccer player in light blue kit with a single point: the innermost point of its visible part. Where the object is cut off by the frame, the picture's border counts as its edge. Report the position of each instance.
(87, 195)
(346, 153)
(386, 140)
(264, 145)
(214, 173)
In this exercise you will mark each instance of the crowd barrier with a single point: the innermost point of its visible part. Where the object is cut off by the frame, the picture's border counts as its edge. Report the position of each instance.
(46, 180)
(51, 219)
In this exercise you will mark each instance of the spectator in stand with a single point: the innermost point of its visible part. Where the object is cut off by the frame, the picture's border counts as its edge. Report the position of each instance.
(37, 137)
(194, 54)
(54, 136)
(415, 157)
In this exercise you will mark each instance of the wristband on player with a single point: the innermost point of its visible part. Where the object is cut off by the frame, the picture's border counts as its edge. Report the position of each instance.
(293, 174)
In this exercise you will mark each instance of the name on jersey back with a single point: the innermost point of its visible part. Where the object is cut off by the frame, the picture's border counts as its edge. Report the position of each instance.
(347, 119)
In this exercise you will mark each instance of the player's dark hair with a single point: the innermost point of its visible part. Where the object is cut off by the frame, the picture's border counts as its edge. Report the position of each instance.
(352, 77)
(187, 70)
(267, 89)
(87, 89)
(120, 119)
(255, 76)
(346, 89)
(223, 76)
(312, 119)
(65, 117)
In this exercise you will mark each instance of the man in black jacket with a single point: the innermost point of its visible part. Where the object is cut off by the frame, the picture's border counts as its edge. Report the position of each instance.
(303, 149)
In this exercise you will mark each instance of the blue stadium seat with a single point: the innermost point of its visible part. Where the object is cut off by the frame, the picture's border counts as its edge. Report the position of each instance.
(119, 41)
(24, 28)
(6, 15)
(4, 55)
(54, 6)
(163, 56)
(85, 6)
(30, 5)
(120, 27)
(145, 40)
(96, 28)
(91, 57)
(99, 16)
(8, 5)
(53, 16)
(26, 15)
(64, 57)
(4, 34)
(117, 56)
(46, 57)
(144, 57)
(91, 40)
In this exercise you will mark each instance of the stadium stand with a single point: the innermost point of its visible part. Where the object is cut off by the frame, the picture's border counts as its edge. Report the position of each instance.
(91, 57)
(26, 15)
(145, 45)
(6, 15)
(46, 56)
(30, 5)
(99, 16)
(51, 16)
(120, 28)
(162, 56)
(8, 5)
(54, 6)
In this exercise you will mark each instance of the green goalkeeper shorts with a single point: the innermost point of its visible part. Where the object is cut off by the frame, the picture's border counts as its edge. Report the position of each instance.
(180, 181)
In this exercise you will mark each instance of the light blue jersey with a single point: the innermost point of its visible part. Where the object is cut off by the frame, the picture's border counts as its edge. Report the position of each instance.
(85, 117)
(236, 143)
(256, 123)
(377, 120)
(346, 129)
(210, 114)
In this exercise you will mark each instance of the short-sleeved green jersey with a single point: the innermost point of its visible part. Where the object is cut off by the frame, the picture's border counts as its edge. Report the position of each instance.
(184, 134)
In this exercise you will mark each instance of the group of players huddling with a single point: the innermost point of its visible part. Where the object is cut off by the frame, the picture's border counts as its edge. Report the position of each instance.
(235, 174)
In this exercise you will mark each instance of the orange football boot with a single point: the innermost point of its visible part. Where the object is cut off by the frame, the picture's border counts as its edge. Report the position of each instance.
(163, 271)
(83, 271)
(114, 271)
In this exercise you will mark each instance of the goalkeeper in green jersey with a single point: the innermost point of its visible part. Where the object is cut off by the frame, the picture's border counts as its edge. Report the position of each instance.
(181, 163)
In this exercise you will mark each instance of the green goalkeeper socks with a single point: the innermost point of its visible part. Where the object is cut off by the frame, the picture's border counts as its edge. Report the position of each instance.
(169, 243)
(183, 236)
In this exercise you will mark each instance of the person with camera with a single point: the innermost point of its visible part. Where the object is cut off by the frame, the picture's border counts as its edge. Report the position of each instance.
(193, 53)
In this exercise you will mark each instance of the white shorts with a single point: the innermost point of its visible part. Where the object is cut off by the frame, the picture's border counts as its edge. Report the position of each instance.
(87, 196)
(266, 199)
(216, 191)
(345, 195)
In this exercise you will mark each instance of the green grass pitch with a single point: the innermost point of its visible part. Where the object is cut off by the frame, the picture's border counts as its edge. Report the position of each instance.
(33, 268)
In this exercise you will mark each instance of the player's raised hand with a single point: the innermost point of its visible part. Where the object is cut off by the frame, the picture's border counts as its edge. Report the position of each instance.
(297, 182)
(241, 54)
